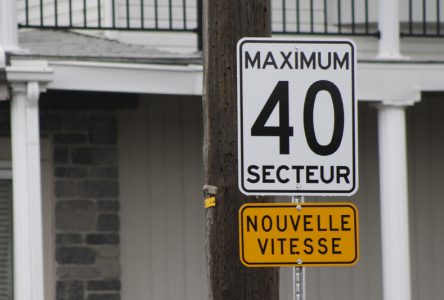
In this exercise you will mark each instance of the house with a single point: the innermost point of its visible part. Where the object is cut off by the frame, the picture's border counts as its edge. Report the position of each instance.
(101, 160)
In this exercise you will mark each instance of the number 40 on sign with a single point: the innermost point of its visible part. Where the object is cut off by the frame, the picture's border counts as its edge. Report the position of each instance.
(297, 117)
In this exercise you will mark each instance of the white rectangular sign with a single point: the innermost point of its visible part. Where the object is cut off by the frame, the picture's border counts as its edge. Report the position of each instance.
(297, 117)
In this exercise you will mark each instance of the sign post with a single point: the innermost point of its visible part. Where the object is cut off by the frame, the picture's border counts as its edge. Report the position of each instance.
(298, 273)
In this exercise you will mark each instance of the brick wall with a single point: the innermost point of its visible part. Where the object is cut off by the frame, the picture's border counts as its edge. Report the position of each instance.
(86, 188)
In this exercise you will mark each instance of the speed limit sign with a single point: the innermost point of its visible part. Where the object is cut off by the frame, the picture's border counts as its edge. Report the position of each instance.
(297, 117)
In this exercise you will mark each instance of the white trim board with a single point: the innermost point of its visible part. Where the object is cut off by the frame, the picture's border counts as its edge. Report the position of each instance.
(398, 82)
(392, 82)
(127, 78)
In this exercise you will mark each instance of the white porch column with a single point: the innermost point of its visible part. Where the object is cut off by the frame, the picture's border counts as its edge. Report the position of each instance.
(393, 169)
(8, 25)
(27, 81)
(394, 202)
(389, 47)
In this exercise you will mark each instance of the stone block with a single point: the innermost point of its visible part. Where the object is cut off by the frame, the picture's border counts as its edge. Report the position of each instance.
(108, 206)
(75, 255)
(102, 239)
(75, 215)
(65, 188)
(107, 251)
(69, 138)
(104, 172)
(108, 222)
(103, 297)
(78, 272)
(71, 172)
(94, 155)
(68, 239)
(70, 290)
(98, 188)
(108, 268)
(104, 285)
(61, 155)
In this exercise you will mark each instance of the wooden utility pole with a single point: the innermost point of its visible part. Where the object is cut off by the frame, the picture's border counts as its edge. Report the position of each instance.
(224, 23)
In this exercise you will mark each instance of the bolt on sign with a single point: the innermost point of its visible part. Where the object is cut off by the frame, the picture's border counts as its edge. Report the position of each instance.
(288, 234)
(297, 117)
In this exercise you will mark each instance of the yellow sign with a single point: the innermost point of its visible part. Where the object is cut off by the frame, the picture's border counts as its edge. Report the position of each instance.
(288, 234)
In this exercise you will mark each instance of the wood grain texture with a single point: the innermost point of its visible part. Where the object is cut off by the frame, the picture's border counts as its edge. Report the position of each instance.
(225, 22)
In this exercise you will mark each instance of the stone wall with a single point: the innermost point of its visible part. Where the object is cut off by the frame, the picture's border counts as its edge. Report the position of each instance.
(83, 129)
(86, 189)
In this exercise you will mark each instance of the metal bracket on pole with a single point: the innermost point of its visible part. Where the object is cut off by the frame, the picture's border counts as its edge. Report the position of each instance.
(298, 272)
(209, 192)
(209, 189)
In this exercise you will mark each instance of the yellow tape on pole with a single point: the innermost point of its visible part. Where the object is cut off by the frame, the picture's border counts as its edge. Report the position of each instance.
(210, 202)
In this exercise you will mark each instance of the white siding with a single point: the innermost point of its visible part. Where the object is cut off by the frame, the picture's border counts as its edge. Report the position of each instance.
(162, 212)
(426, 179)
(362, 281)
(426, 169)
(162, 224)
